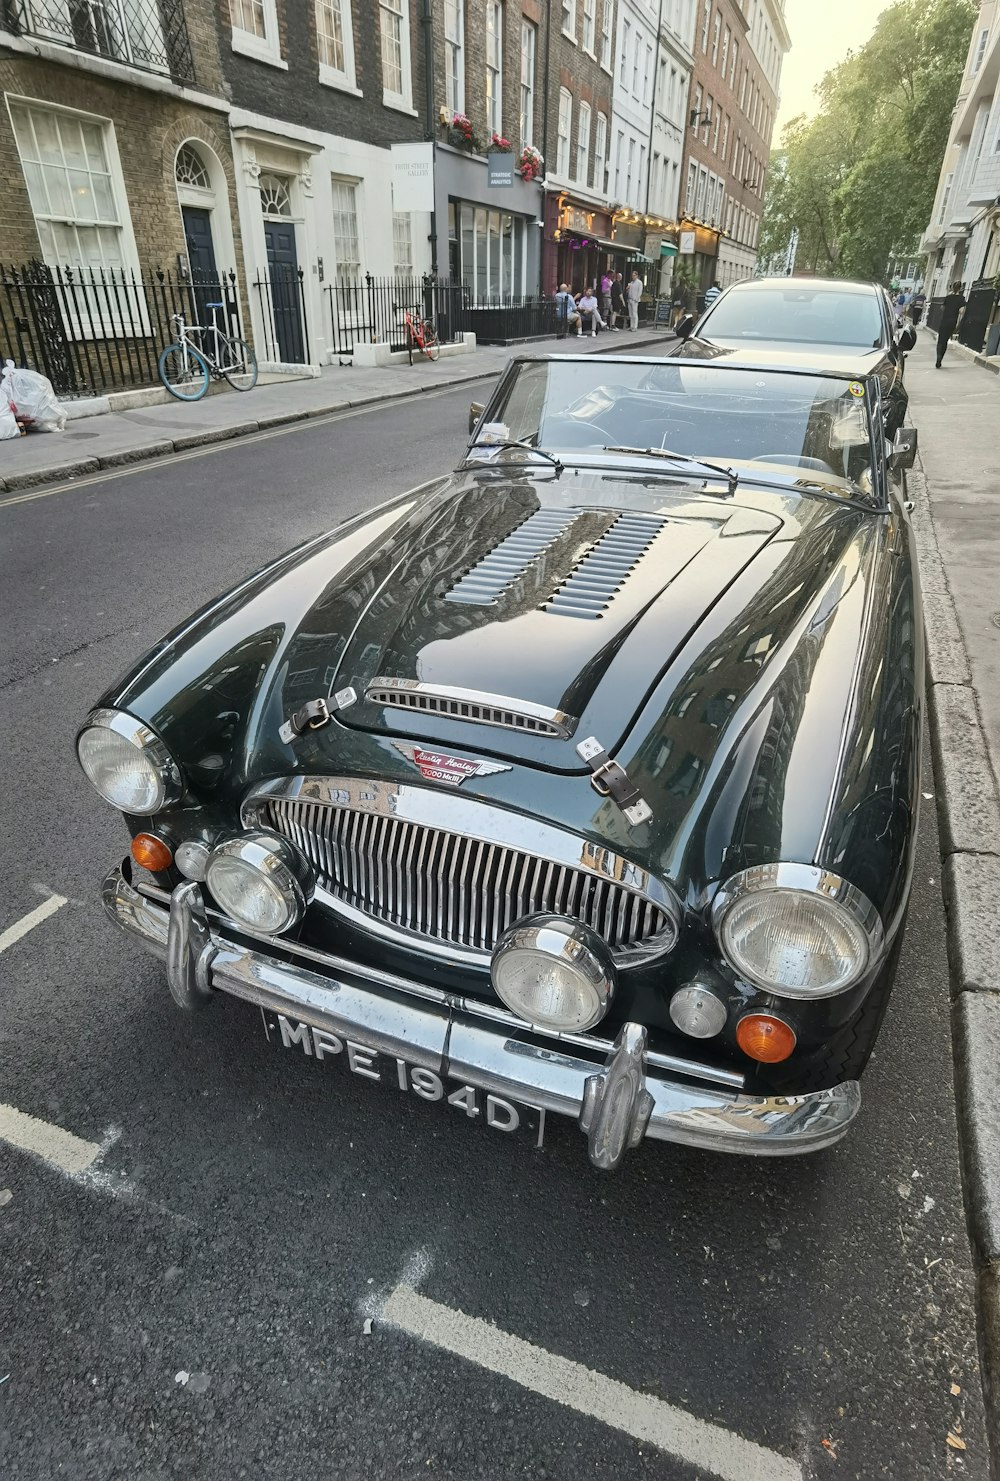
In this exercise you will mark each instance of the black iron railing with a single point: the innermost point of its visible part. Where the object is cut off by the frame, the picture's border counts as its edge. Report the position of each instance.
(92, 331)
(284, 322)
(370, 310)
(151, 35)
(978, 312)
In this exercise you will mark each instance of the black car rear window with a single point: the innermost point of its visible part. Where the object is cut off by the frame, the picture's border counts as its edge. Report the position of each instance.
(799, 315)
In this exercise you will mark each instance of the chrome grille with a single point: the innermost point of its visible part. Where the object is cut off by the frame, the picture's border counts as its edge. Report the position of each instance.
(507, 562)
(469, 704)
(455, 888)
(590, 587)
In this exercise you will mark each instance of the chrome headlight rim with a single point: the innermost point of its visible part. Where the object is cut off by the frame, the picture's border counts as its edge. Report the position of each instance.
(801, 879)
(563, 939)
(151, 747)
(275, 861)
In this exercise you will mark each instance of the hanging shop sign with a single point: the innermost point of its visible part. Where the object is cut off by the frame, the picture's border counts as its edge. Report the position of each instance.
(412, 177)
(687, 243)
(500, 169)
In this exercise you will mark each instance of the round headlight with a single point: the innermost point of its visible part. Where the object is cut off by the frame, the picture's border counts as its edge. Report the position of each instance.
(127, 763)
(796, 931)
(554, 973)
(259, 881)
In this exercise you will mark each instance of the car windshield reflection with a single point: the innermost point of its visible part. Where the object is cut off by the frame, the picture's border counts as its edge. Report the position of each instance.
(810, 429)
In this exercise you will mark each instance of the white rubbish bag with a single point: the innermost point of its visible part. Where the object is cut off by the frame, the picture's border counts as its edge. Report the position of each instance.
(8, 423)
(32, 398)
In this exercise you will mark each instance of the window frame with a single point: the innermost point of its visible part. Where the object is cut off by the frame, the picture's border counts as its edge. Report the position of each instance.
(404, 270)
(266, 48)
(494, 74)
(454, 56)
(527, 88)
(583, 158)
(600, 154)
(568, 13)
(716, 33)
(589, 23)
(402, 101)
(563, 139)
(607, 17)
(346, 80)
(352, 183)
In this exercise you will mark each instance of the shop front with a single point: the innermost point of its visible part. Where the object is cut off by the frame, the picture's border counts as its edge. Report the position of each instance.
(579, 246)
(488, 236)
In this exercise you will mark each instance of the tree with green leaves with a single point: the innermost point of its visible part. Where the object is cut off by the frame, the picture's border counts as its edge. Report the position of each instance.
(858, 180)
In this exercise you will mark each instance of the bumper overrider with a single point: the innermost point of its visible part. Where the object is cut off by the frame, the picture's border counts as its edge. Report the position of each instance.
(616, 1104)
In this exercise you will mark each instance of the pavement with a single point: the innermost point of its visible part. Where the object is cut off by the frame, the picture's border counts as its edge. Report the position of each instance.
(222, 1259)
(956, 491)
(116, 438)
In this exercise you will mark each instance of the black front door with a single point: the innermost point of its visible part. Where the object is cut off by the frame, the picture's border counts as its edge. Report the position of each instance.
(201, 258)
(286, 302)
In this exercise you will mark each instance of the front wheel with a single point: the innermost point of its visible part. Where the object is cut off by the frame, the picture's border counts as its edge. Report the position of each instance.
(240, 367)
(431, 347)
(184, 372)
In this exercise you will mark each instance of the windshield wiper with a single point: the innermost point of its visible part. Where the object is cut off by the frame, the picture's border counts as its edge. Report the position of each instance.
(527, 447)
(729, 474)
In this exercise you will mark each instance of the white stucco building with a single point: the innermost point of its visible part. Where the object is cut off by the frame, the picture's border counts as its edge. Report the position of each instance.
(962, 239)
(632, 102)
(670, 103)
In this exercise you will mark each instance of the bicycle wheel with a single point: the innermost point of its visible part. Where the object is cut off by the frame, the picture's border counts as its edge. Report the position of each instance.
(184, 372)
(240, 365)
(411, 341)
(431, 347)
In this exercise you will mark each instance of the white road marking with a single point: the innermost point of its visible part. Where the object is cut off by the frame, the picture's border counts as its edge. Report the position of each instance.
(31, 920)
(708, 1446)
(60, 1149)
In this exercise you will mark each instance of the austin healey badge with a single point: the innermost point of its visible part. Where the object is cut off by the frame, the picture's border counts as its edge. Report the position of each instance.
(436, 766)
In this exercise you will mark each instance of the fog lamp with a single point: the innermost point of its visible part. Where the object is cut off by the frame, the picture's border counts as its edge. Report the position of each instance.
(191, 858)
(554, 973)
(696, 1011)
(259, 881)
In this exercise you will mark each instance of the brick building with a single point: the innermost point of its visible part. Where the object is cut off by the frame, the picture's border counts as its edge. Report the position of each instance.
(578, 241)
(489, 69)
(738, 51)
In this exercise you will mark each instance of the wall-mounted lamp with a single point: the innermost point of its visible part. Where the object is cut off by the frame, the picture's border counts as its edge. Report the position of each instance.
(697, 118)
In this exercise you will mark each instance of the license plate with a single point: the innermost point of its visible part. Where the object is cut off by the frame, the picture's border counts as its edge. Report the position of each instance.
(494, 1111)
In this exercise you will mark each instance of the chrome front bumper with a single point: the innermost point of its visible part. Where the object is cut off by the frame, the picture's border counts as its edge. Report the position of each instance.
(616, 1104)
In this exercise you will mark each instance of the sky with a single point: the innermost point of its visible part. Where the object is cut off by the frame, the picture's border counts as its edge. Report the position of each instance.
(822, 33)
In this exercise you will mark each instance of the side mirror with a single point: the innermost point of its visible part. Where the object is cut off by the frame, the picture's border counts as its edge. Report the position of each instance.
(904, 449)
(906, 338)
(684, 328)
(475, 412)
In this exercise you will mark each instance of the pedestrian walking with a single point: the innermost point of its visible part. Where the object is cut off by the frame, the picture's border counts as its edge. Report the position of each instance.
(589, 312)
(607, 278)
(567, 317)
(951, 310)
(617, 301)
(917, 303)
(634, 294)
(712, 294)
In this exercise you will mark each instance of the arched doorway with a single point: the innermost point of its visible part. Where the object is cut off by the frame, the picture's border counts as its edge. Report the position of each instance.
(203, 197)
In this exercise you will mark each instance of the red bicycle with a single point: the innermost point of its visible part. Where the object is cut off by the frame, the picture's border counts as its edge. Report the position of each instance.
(420, 335)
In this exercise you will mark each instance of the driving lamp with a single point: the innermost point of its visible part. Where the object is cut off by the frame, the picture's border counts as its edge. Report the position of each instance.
(796, 930)
(554, 973)
(696, 1011)
(259, 881)
(127, 763)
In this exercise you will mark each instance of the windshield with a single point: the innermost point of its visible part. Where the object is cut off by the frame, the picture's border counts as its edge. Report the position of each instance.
(768, 422)
(799, 315)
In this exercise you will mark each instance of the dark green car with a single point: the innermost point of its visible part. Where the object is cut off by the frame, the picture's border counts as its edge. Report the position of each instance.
(583, 780)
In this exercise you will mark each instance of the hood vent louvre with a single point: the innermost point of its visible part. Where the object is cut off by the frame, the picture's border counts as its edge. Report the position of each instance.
(507, 562)
(596, 580)
(469, 704)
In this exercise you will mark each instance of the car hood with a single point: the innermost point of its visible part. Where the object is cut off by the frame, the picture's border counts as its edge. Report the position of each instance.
(540, 608)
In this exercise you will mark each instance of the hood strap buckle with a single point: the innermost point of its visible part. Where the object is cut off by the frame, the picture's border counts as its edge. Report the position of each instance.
(315, 714)
(611, 779)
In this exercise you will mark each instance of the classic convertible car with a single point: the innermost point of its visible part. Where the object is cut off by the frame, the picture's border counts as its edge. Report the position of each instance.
(582, 780)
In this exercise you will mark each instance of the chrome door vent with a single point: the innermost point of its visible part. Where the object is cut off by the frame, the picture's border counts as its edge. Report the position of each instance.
(469, 704)
(597, 579)
(507, 562)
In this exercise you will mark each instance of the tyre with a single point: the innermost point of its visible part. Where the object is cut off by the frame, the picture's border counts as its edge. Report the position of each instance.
(410, 342)
(431, 347)
(240, 365)
(184, 372)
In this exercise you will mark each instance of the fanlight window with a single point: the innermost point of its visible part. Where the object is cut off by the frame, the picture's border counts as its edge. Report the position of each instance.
(190, 168)
(274, 197)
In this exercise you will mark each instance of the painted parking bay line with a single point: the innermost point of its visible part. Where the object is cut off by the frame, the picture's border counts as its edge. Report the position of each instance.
(60, 1149)
(31, 920)
(718, 1451)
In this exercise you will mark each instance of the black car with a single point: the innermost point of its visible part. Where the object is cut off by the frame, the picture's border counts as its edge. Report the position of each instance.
(853, 322)
(582, 780)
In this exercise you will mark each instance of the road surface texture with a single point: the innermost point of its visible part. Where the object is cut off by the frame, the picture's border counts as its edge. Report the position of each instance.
(220, 1259)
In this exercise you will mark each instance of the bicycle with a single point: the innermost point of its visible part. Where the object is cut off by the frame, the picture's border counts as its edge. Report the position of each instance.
(185, 367)
(420, 335)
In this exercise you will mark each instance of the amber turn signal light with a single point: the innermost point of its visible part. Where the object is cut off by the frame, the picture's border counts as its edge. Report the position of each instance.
(152, 853)
(764, 1038)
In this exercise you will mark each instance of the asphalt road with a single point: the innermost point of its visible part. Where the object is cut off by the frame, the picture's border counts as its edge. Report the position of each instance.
(251, 1207)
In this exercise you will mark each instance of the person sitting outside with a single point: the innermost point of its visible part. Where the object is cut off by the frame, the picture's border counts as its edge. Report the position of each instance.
(589, 313)
(567, 317)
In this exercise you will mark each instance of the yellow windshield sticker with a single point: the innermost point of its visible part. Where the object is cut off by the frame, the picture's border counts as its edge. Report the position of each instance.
(857, 390)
